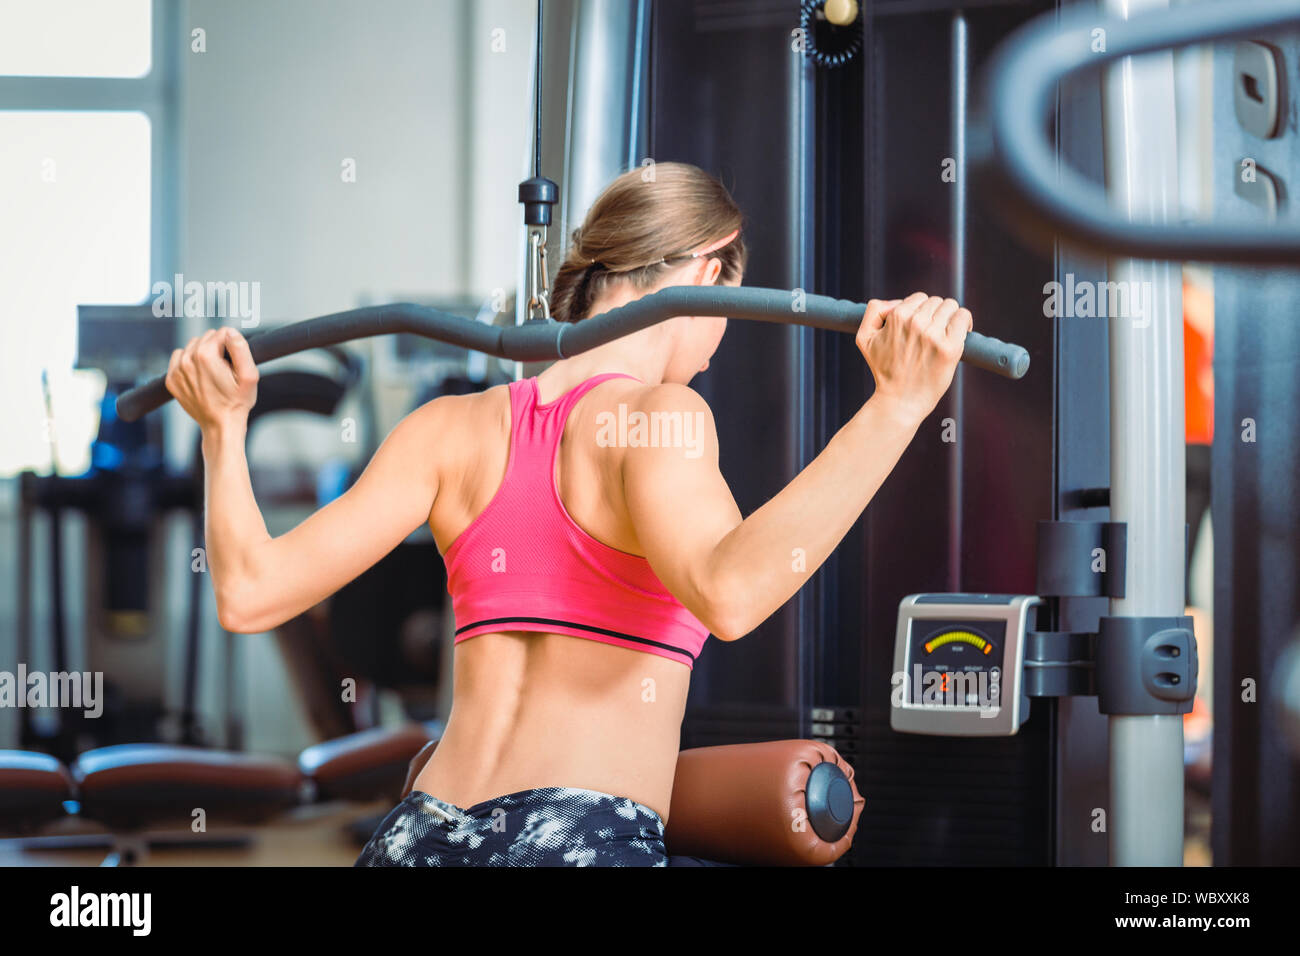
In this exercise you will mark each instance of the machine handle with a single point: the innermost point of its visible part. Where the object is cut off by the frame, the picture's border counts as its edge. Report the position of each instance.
(540, 340)
(1009, 142)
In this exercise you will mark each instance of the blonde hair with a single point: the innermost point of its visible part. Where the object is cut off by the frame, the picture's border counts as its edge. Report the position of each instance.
(645, 222)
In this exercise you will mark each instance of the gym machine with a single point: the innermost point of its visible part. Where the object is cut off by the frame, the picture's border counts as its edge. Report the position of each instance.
(1139, 659)
(844, 158)
(1141, 662)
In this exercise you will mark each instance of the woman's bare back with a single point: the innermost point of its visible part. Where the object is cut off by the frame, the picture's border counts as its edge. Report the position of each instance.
(536, 710)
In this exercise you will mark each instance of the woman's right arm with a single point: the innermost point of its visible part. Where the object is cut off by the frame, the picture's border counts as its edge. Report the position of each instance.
(733, 574)
(262, 581)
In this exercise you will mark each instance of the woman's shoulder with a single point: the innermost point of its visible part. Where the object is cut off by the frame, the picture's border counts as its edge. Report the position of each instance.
(666, 415)
(667, 397)
(466, 406)
(454, 420)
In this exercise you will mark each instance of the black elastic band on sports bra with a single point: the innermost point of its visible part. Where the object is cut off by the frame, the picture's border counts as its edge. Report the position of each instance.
(581, 627)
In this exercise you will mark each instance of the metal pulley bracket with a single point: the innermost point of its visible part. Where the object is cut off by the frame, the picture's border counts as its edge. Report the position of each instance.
(1146, 665)
(1133, 665)
(1060, 664)
(539, 195)
(1082, 558)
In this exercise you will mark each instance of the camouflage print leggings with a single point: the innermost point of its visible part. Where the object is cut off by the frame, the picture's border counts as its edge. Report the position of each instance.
(550, 826)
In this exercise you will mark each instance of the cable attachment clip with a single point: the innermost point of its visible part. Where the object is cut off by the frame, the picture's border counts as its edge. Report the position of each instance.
(538, 195)
(539, 292)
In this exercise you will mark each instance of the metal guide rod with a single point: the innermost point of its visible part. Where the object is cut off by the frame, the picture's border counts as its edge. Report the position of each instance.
(1147, 469)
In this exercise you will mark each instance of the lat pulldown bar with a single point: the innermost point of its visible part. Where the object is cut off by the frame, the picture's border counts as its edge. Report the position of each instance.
(542, 340)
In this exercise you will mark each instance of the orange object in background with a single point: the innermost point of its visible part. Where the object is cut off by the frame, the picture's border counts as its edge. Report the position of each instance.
(1198, 362)
(1198, 723)
(1198, 390)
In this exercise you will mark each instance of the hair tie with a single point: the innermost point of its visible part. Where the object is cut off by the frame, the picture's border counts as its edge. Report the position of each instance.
(725, 240)
(712, 247)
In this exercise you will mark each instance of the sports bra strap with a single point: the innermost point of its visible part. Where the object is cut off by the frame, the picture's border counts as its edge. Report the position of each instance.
(563, 405)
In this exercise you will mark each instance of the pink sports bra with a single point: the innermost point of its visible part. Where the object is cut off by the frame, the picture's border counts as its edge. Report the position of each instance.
(524, 565)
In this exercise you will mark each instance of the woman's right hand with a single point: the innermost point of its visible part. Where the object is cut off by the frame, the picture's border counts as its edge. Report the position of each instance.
(912, 347)
(213, 390)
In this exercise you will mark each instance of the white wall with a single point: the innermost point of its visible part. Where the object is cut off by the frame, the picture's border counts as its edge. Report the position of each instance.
(420, 94)
(284, 94)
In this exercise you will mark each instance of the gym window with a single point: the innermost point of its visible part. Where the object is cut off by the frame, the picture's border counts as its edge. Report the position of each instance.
(86, 93)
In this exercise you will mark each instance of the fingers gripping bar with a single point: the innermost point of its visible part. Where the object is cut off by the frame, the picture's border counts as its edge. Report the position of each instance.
(541, 340)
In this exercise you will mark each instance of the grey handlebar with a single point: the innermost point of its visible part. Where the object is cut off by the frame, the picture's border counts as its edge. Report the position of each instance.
(544, 340)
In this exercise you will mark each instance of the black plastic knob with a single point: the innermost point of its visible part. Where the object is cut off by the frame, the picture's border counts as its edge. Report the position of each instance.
(829, 798)
(538, 195)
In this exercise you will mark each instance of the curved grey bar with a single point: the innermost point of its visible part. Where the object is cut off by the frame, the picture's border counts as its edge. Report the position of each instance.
(335, 329)
(540, 341)
(781, 306)
(1020, 87)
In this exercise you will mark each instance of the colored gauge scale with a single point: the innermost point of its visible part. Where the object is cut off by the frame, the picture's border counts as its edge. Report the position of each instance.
(981, 644)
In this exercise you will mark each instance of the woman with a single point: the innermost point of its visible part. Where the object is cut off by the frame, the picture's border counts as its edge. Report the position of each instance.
(587, 560)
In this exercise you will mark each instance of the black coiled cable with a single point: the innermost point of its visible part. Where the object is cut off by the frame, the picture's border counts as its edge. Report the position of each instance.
(847, 40)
